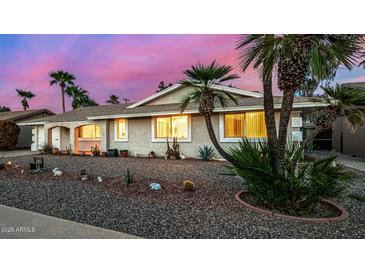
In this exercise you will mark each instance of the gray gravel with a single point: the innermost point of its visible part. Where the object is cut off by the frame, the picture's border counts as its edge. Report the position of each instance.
(209, 212)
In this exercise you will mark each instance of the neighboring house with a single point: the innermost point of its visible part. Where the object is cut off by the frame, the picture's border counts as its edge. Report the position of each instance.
(343, 139)
(144, 126)
(25, 135)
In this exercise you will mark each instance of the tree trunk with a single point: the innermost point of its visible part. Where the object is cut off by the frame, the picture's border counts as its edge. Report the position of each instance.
(63, 97)
(286, 108)
(311, 137)
(270, 121)
(213, 138)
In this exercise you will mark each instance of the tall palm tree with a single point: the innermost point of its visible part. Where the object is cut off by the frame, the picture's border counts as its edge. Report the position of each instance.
(294, 57)
(113, 99)
(25, 95)
(80, 97)
(62, 78)
(201, 79)
(342, 101)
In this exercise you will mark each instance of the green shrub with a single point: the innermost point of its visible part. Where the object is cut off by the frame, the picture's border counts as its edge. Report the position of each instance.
(357, 197)
(9, 132)
(307, 179)
(128, 177)
(47, 149)
(206, 153)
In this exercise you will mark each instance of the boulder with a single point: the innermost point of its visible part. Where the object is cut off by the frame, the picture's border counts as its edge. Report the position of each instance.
(155, 186)
(58, 173)
(188, 185)
(100, 180)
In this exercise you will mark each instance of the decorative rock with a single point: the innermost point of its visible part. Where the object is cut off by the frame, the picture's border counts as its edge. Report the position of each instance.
(188, 185)
(182, 157)
(55, 169)
(84, 177)
(155, 186)
(2, 164)
(57, 173)
(100, 180)
(22, 171)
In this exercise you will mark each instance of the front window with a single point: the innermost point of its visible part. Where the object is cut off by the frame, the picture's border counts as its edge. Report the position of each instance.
(90, 132)
(172, 126)
(249, 125)
(121, 129)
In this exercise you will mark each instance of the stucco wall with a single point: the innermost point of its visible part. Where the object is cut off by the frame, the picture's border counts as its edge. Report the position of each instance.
(140, 139)
(353, 143)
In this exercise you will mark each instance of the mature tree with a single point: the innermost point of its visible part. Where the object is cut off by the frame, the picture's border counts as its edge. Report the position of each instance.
(113, 99)
(4, 109)
(342, 101)
(295, 57)
(25, 95)
(80, 97)
(162, 86)
(63, 79)
(307, 89)
(9, 132)
(201, 79)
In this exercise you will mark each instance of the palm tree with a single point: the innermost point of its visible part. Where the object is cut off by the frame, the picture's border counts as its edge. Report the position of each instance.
(80, 97)
(113, 99)
(202, 79)
(294, 57)
(342, 101)
(25, 95)
(62, 78)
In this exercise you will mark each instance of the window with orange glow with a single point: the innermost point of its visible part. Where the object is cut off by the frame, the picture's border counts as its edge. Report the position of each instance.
(172, 126)
(121, 131)
(90, 132)
(249, 125)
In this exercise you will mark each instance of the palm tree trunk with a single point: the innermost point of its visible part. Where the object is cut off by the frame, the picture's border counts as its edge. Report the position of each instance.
(214, 140)
(63, 97)
(270, 121)
(311, 137)
(286, 108)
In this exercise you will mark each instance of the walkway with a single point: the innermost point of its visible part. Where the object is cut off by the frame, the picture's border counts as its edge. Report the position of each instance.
(347, 160)
(21, 224)
(16, 153)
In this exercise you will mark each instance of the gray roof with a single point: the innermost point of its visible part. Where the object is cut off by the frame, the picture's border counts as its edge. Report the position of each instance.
(359, 85)
(81, 114)
(24, 114)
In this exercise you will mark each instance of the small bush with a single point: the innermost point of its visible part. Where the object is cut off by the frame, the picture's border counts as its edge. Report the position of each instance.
(357, 197)
(95, 150)
(47, 149)
(307, 180)
(206, 153)
(9, 132)
(128, 177)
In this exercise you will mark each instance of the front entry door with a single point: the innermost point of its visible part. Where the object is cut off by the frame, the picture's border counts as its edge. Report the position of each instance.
(56, 137)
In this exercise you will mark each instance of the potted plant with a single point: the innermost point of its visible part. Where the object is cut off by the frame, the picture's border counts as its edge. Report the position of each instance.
(124, 153)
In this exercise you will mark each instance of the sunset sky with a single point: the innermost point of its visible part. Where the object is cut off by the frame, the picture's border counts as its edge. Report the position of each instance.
(130, 66)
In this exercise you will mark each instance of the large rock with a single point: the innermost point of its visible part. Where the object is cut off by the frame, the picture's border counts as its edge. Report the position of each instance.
(188, 185)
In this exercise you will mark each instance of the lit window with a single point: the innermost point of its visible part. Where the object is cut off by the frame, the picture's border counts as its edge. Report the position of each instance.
(90, 132)
(249, 125)
(234, 125)
(121, 129)
(172, 126)
(255, 125)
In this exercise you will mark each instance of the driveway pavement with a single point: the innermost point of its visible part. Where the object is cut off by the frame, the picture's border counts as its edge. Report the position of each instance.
(22, 224)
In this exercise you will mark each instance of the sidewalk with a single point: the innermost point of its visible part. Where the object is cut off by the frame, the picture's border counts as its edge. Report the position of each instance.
(17, 153)
(21, 224)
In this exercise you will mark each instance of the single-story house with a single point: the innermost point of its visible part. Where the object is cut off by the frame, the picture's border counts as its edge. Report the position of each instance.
(345, 141)
(144, 126)
(25, 135)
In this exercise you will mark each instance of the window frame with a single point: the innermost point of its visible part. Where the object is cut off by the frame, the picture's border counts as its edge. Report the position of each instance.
(224, 139)
(116, 139)
(90, 139)
(163, 140)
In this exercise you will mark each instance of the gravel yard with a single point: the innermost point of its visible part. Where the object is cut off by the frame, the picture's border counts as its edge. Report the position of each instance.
(209, 212)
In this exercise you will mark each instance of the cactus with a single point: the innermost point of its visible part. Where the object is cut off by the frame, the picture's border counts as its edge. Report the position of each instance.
(128, 177)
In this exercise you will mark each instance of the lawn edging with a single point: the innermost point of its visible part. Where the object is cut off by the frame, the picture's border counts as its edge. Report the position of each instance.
(343, 214)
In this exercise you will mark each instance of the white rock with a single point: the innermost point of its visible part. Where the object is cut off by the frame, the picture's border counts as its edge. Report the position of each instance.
(55, 169)
(100, 180)
(182, 157)
(22, 171)
(136, 154)
(57, 173)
